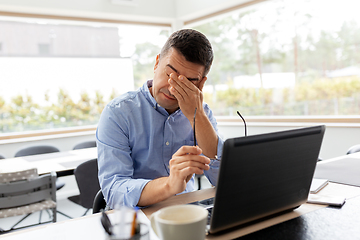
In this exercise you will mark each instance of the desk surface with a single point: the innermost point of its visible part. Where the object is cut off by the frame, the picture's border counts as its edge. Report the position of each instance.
(325, 223)
(287, 220)
(310, 221)
(61, 162)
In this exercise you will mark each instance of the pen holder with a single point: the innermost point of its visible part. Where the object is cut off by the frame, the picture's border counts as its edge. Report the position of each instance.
(123, 232)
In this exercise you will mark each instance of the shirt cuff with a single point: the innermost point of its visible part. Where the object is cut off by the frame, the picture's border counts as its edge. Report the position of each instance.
(126, 192)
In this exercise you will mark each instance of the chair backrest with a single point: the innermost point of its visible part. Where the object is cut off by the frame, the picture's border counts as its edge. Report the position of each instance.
(86, 175)
(26, 187)
(41, 149)
(99, 202)
(88, 144)
(354, 149)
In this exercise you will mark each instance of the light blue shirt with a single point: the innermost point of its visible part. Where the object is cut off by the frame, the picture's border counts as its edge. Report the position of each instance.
(136, 139)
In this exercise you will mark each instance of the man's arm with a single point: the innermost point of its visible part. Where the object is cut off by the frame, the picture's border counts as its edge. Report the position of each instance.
(189, 96)
(184, 163)
(205, 134)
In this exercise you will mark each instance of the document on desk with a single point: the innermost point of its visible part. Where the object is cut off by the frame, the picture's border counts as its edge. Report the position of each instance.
(318, 184)
(336, 201)
(345, 171)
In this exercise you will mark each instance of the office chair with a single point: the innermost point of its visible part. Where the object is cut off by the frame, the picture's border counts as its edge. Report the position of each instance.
(86, 175)
(2, 157)
(353, 149)
(99, 202)
(42, 149)
(25, 192)
(88, 144)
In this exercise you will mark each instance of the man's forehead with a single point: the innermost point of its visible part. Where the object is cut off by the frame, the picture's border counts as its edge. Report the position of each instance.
(177, 61)
(190, 78)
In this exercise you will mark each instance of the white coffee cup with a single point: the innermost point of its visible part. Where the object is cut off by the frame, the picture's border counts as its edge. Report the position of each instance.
(180, 222)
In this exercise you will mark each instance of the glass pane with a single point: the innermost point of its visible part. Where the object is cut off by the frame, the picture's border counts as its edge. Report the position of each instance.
(61, 73)
(286, 57)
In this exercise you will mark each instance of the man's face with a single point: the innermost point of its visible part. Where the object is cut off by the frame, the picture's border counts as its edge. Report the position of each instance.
(173, 62)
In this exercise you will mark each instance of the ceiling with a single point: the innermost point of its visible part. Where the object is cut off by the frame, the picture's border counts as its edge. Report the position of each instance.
(170, 12)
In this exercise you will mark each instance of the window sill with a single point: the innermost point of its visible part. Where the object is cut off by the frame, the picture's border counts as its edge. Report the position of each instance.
(29, 136)
(285, 121)
(290, 121)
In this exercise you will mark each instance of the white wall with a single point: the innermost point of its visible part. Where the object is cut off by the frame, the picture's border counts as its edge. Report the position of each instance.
(337, 140)
(65, 142)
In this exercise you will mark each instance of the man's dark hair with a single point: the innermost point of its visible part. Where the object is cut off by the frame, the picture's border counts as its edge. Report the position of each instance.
(193, 45)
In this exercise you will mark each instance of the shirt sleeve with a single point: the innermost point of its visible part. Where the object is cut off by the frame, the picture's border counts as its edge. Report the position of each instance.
(115, 163)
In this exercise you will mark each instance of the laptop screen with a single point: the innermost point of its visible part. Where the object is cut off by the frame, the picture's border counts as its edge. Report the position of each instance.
(264, 174)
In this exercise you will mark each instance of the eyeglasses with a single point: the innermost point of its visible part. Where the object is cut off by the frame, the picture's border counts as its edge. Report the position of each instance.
(216, 158)
(194, 128)
(195, 134)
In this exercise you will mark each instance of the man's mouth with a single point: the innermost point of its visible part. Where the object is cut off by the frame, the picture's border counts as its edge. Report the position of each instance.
(171, 97)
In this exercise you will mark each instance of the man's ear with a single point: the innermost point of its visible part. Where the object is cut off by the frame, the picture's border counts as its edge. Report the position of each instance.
(202, 83)
(157, 62)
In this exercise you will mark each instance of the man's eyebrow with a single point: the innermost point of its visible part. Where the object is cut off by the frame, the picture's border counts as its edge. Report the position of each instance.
(175, 70)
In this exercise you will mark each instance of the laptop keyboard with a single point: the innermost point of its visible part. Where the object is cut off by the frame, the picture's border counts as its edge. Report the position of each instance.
(209, 215)
(208, 204)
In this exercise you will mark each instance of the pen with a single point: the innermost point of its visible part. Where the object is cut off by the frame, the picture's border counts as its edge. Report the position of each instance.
(135, 226)
(216, 158)
(194, 128)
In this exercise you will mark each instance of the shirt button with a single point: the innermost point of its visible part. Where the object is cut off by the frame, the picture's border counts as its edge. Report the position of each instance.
(167, 143)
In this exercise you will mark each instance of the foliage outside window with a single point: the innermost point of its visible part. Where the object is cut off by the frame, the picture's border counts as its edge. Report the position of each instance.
(286, 57)
(62, 74)
(279, 57)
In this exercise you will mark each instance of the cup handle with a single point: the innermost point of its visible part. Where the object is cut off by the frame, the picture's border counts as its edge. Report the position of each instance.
(153, 224)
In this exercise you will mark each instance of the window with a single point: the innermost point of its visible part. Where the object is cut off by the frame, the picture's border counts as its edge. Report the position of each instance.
(285, 57)
(62, 73)
(44, 49)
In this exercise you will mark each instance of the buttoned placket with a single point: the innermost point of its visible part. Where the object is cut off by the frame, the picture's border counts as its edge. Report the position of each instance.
(168, 138)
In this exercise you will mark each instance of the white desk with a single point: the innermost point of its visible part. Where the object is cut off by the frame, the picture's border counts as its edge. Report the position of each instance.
(89, 227)
(61, 162)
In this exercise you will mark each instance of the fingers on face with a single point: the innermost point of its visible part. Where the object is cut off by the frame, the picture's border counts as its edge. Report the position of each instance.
(181, 85)
(202, 82)
(175, 88)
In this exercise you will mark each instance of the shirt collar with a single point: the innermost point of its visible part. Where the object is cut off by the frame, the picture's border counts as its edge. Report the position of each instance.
(148, 96)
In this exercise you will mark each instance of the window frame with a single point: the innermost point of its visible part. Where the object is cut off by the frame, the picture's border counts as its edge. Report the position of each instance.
(337, 121)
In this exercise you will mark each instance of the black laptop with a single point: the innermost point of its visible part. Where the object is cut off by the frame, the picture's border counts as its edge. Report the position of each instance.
(263, 175)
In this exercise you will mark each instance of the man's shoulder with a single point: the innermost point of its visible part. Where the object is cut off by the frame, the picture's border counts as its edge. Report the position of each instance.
(207, 108)
(125, 98)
